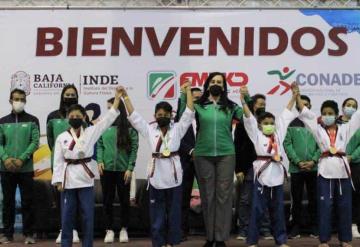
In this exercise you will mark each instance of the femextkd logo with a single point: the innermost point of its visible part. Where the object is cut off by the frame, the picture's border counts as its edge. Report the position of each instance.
(161, 85)
(21, 80)
(282, 77)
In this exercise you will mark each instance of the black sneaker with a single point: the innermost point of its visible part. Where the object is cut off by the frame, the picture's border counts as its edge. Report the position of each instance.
(295, 232)
(241, 236)
(209, 243)
(220, 244)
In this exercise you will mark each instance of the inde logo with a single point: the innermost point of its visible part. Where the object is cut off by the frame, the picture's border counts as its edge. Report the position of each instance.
(161, 85)
(283, 75)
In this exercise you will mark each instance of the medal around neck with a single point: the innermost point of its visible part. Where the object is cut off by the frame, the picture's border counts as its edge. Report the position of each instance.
(277, 157)
(166, 152)
(333, 150)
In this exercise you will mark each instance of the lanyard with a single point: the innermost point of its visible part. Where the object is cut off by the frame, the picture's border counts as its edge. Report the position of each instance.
(332, 135)
(272, 145)
(77, 139)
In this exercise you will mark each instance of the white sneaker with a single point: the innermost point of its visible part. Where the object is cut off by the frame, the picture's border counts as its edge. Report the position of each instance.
(76, 238)
(355, 231)
(109, 237)
(123, 238)
(58, 239)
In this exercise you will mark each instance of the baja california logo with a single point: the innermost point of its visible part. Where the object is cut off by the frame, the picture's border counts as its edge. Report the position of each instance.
(21, 80)
(283, 75)
(161, 85)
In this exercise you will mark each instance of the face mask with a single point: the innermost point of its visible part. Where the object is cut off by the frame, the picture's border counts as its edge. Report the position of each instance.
(75, 122)
(18, 106)
(163, 121)
(70, 101)
(259, 111)
(328, 120)
(349, 111)
(215, 90)
(268, 129)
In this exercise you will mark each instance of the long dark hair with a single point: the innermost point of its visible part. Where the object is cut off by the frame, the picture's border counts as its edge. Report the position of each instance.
(62, 107)
(225, 102)
(122, 124)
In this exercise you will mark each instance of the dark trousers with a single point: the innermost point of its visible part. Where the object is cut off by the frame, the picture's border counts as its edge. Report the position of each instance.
(165, 216)
(244, 192)
(187, 185)
(271, 198)
(355, 172)
(298, 180)
(9, 182)
(338, 192)
(111, 181)
(71, 198)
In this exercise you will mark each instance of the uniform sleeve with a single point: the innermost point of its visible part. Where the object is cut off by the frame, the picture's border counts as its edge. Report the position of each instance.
(100, 150)
(309, 119)
(184, 123)
(50, 133)
(181, 105)
(139, 123)
(59, 163)
(3, 154)
(134, 149)
(251, 127)
(34, 142)
(238, 113)
(100, 127)
(289, 148)
(353, 125)
(283, 122)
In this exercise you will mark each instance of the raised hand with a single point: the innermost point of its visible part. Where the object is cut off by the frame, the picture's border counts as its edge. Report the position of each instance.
(244, 91)
(186, 86)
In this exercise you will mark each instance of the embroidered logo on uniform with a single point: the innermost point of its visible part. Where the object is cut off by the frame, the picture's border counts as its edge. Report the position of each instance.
(152, 201)
(259, 188)
(65, 142)
(322, 198)
(24, 125)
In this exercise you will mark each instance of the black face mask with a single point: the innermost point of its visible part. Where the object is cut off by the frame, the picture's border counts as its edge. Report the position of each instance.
(75, 122)
(70, 101)
(163, 121)
(215, 90)
(259, 111)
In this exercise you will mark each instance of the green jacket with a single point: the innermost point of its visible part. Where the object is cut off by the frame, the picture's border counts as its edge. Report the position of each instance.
(300, 145)
(353, 148)
(55, 125)
(214, 134)
(19, 139)
(107, 151)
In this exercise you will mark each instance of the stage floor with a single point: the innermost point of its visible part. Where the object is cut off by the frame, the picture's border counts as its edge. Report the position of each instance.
(192, 242)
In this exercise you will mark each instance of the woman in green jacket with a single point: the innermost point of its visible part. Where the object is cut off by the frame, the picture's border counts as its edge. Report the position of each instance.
(116, 156)
(214, 156)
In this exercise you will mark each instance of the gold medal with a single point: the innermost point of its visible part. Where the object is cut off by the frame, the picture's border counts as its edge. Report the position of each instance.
(81, 155)
(277, 157)
(166, 152)
(333, 150)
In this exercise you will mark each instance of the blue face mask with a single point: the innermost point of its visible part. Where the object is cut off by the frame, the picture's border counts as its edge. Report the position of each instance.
(349, 111)
(328, 120)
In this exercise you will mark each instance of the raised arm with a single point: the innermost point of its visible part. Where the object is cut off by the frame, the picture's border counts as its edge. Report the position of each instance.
(243, 94)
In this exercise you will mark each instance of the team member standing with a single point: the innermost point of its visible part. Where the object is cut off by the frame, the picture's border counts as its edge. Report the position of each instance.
(164, 173)
(214, 157)
(303, 154)
(19, 139)
(73, 173)
(56, 124)
(350, 106)
(268, 134)
(116, 156)
(334, 179)
(187, 162)
(245, 157)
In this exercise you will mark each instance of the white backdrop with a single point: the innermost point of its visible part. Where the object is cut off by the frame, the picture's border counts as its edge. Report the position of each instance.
(320, 74)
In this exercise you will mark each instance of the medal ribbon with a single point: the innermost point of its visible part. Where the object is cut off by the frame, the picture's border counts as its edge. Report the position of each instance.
(272, 145)
(332, 135)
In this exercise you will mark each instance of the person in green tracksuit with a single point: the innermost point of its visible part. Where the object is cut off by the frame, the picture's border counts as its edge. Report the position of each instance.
(116, 156)
(349, 106)
(19, 139)
(56, 124)
(214, 156)
(303, 154)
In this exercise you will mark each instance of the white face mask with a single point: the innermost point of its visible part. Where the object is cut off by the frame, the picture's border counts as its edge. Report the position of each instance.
(18, 106)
